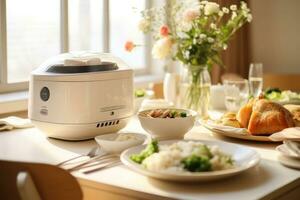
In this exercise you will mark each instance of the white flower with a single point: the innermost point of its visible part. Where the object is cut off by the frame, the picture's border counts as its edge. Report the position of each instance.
(225, 46)
(225, 10)
(202, 36)
(190, 15)
(244, 5)
(213, 26)
(233, 7)
(221, 13)
(162, 48)
(187, 54)
(204, 2)
(234, 15)
(211, 8)
(144, 25)
(210, 40)
(249, 18)
(195, 41)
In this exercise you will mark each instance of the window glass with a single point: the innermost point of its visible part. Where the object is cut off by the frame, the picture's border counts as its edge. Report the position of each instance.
(33, 35)
(124, 17)
(85, 25)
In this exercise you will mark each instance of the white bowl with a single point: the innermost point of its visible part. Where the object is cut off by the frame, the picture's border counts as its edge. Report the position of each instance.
(167, 128)
(109, 144)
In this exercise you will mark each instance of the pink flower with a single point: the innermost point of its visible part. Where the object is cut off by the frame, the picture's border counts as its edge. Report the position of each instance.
(190, 15)
(129, 46)
(164, 31)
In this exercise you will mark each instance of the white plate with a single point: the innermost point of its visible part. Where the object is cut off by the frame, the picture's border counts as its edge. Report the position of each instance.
(286, 152)
(232, 134)
(245, 158)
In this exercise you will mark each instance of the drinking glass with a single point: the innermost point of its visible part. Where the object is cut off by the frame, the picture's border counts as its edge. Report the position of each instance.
(236, 94)
(256, 79)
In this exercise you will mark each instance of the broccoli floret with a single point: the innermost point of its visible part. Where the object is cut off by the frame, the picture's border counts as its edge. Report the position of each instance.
(204, 151)
(195, 163)
(150, 149)
(183, 114)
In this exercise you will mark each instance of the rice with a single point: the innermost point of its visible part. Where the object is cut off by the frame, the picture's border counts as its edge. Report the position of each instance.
(170, 157)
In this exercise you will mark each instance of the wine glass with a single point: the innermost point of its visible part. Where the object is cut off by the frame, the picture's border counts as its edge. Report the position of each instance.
(236, 94)
(256, 79)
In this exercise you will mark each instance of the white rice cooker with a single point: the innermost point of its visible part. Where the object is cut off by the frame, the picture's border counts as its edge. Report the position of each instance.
(76, 96)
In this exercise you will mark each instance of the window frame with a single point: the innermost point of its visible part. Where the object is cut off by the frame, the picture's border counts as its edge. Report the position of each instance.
(6, 87)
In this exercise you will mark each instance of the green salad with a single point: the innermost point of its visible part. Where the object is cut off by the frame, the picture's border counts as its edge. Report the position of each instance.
(275, 94)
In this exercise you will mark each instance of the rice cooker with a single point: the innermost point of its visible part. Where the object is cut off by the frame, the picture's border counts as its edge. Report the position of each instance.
(76, 96)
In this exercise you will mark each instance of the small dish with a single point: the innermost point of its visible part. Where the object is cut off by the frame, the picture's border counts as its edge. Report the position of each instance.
(109, 143)
(245, 159)
(167, 128)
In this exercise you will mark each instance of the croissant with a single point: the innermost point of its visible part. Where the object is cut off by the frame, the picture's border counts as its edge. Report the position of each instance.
(263, 117)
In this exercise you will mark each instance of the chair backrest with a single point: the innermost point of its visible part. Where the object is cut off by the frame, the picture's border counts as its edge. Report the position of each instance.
(50, 181)
(282, 81)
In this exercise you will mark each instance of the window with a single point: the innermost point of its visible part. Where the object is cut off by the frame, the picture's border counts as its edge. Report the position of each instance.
(34, 30)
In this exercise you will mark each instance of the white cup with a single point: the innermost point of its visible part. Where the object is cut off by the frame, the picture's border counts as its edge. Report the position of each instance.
(217, 97)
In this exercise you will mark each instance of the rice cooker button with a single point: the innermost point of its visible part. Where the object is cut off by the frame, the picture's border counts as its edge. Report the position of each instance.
(45, 94)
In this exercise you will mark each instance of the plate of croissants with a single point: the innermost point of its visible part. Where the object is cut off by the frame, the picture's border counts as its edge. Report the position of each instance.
(256, 120)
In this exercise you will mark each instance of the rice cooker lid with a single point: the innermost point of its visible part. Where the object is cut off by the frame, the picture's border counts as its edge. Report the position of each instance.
(101, 67)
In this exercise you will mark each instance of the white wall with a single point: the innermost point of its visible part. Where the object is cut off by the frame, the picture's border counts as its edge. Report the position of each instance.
(275, 35)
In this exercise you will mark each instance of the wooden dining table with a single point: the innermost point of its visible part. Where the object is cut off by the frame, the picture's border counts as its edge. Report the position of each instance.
(268, 180)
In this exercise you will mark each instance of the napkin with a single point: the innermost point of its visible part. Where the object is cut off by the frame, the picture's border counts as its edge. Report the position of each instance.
(293, 147)
(287, 134)
(82, 61)
(210, 124)
(10, 123)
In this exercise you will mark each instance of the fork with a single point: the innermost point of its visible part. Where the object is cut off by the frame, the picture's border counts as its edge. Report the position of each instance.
(103, 166)
(94, 159)
(91, 153)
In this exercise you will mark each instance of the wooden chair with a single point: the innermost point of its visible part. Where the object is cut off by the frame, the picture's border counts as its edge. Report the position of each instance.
(31, 181)
(282, 81)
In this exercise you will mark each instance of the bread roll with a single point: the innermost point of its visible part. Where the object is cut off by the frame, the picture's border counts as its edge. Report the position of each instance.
(268, 117)
(295, 110)
(244, 114)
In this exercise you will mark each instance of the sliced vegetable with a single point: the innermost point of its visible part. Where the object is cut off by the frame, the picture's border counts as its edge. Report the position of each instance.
(270, 90)
(139, 93)
(150, 149)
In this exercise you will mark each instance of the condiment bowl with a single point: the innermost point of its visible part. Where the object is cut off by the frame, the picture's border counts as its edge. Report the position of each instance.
(109, 143)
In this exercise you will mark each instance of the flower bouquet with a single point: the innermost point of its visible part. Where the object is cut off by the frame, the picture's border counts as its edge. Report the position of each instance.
(195, 33)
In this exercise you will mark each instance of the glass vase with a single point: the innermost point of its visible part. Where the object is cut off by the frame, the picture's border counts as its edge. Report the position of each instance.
(194, 92)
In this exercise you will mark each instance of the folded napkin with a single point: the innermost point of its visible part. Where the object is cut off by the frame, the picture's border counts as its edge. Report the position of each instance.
(82, 61)
(212, 125)
(10, 123)
(292, 134)
(293, 147)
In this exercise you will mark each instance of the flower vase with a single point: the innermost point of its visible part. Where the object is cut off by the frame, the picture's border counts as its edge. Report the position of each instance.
(194, 92)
